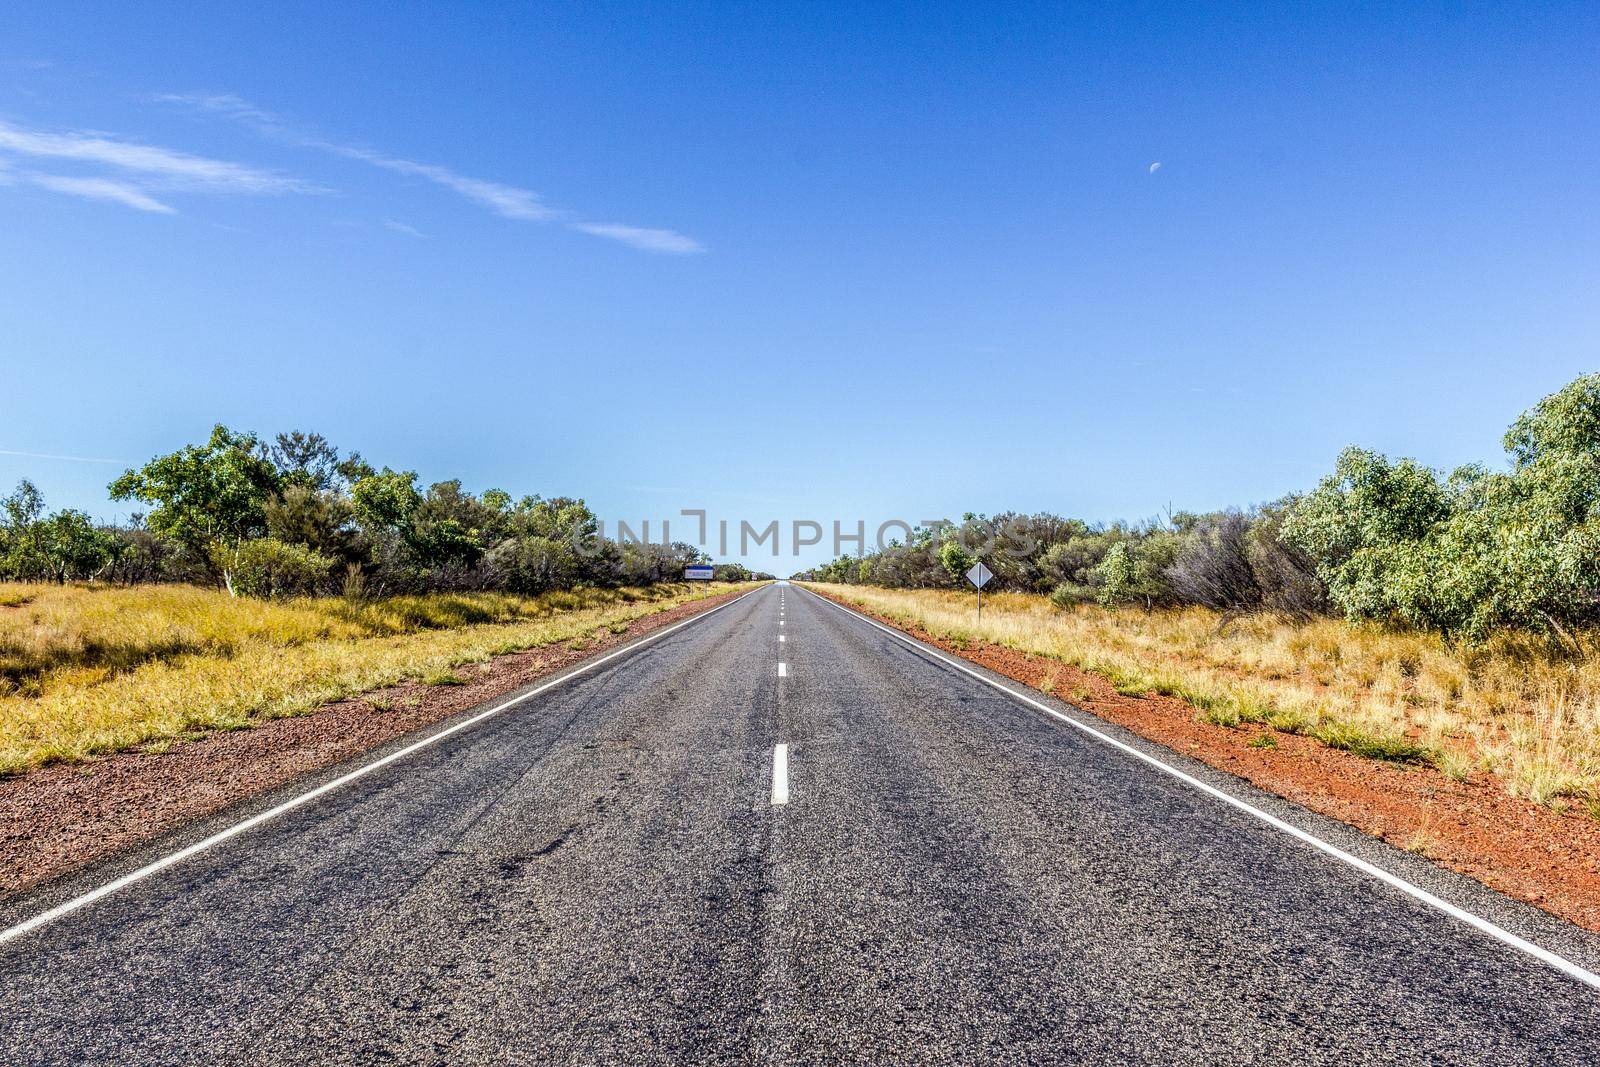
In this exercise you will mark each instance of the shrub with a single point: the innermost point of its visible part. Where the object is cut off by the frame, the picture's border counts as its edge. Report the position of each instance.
(1478, 552)
(533, 565)
(1213, 569)
(955, 558)
(269, 568)
(1116, 575)
(1067, 594)
(1232, 562)
(319, 519)
(1287, 576)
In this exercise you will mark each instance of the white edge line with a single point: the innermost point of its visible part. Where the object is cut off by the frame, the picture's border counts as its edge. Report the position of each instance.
(1522, 944)
(101, 892)
(780, 773)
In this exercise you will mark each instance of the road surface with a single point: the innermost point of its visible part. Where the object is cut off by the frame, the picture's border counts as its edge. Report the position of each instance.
(612, 872)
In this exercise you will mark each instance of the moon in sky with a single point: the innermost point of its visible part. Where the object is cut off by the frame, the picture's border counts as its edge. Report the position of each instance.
(1154, 167)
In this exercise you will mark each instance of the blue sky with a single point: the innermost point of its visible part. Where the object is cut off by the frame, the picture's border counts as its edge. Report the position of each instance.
(802, 261)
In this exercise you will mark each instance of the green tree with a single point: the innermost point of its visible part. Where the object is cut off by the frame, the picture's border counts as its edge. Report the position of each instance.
(1564, 424)
(387, 502)
(1365, 526)
(534, 564)
(319, 519)
(416, 533)
(1118, 575)
(1480, 551)
(310, 460)
(956, 559)
(74, 547)
(211, 498)
(21, 554)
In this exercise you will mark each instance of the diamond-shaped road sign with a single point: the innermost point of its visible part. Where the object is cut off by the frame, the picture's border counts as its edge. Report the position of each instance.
(979, 575)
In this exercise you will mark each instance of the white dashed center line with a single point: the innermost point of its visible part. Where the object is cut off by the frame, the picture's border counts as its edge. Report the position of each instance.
(780, 774)
(782, 639)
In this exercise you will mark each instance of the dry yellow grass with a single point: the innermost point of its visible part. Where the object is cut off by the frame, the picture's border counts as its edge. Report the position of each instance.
(89, 670)
(1514, 708)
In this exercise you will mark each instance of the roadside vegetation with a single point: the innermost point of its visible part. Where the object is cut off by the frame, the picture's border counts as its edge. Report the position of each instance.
(1394, 611)
(87, 670)
(1466, 555)
(293, 517)
(1512, 707)
(266, 577)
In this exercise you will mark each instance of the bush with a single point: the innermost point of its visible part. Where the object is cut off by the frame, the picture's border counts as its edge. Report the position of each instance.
(533, 565)
(1287, 576)
(269, 568)
(1117, 576)
(1214, 569)
(1067, 594)
(1479, 551)
(956, 559)
(1071, 561)
(1232, 562)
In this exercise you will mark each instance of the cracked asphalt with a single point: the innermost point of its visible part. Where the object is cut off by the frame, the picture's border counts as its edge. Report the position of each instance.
(600, 875)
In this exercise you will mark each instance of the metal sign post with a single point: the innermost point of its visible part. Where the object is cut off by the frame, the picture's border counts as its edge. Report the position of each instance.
(979, 576)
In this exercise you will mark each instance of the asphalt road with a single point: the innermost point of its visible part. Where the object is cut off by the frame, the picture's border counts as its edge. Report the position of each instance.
(601, 875)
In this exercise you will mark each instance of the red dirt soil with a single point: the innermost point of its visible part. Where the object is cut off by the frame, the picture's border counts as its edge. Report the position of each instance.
(58, 818)
(1524, 850)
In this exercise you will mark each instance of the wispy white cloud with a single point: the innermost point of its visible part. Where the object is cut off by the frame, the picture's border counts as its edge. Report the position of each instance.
(223, 103)
(399, 227)
(147, 161)
(100, 189)
(650, 240)
(129, 173)
(70, 459)
(507, 201)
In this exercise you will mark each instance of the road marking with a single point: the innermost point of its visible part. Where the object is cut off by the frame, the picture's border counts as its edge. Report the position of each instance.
(123, 882)
(780, 622)
(1482, 925)
(780, 774)
(782, 639)
(783, 670)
